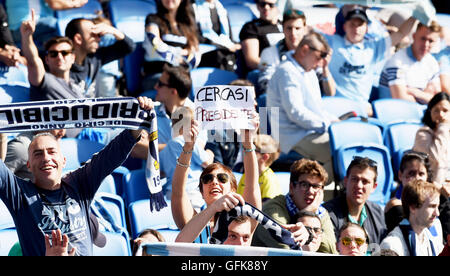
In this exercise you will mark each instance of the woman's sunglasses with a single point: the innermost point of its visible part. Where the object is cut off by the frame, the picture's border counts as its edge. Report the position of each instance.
(348, 241)
(207, 178)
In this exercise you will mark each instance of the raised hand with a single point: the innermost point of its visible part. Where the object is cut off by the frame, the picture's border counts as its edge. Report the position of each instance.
(28, 27)
(59, 245)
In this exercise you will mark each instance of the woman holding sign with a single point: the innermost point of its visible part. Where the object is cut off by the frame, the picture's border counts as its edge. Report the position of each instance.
(218, 184)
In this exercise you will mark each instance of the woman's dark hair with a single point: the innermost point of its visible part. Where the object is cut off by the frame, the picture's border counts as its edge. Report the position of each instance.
(216, 166)
(426, 120)
(185, 19)
(410, 155)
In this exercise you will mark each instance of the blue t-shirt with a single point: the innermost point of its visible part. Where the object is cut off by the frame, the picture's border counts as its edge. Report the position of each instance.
(353, 65)
(37, 212)
(443, 57)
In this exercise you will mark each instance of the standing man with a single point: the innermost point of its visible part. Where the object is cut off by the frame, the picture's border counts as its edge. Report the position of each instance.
(412, 74)
(51, 201)
(294, 89)
(89, 58)
(353, 206)
(420, 200)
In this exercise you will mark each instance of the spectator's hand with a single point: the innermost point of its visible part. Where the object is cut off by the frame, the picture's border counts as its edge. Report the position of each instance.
(28, 27)
(102, 28)
(235, 47)
(191, 136)
(299, 232)
(59, 245)
(145, 104)
(227, 202)
(10, 55)
(249, 135)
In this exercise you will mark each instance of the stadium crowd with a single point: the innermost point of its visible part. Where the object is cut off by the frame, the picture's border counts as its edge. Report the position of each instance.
(324, 205)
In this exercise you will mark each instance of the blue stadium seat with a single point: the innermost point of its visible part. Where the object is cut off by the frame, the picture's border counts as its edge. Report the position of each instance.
(108, 185)
(117, 244)
(142, 218)
(78, 151)
(89, 10)
(129, 16)
(14, 76)
(203, 76)
(132, 64)
(135, 186)
(390, 111)
(169, 234)
(6, 220)
(238, 15)
(400, 138)
(14, 93)
(8, 237)
(284, 178)
(376, 152)
(351, 132)
(341, 105)
(113, 206)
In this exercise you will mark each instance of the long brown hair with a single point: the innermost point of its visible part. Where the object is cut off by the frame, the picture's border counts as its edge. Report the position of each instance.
(185, 19)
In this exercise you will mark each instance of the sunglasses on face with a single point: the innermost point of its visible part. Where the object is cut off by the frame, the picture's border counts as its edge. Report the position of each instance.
(162, 84)
(208, 178)
(54, 53)
(263, 4)
(322, 54)
(348, 241)
(305, 185)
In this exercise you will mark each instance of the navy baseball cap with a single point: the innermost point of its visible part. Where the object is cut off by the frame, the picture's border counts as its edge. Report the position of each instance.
(357, 13)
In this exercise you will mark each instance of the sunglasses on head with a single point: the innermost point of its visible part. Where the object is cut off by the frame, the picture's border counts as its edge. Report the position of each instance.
(292, 11)
(263, 4)
(370, 162)
(421, 155)
(322, 54)
(208, 178)
(348, 241)
(54, 53)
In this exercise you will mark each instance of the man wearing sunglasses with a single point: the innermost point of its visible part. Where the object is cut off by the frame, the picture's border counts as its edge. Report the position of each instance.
(294, 90)
(54, 84)
(260, 33)
(307, 180)
(353, 205)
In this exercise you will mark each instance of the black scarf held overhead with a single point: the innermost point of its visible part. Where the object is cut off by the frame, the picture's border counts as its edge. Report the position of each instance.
(279, 233)
(123, 112)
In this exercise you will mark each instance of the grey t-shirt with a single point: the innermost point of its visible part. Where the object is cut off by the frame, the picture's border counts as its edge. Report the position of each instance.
(17, 154)
(54, 88)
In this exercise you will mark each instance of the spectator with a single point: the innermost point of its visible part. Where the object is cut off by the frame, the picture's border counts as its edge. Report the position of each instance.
(313, 224)
(240, 230)
(9, 53)
(216, 181)
(171, 37)
(18, 11)
(413, 166)
(55, 84)
(59, 246)
(443, 58)
(89, 58)
(214, 26)
(267, 151)
(420, 201)
(305, 194)
(352, 240)
(146, 236)
(201, 158)
(260, 33)
(353, 205)
(353, 56)
(294, 29)
(51, 201)
(17, 153)
(294, 89)
(412, 74)
(434, 139)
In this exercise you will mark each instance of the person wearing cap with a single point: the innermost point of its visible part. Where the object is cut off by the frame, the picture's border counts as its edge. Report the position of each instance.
(412, 74)
(354, 56)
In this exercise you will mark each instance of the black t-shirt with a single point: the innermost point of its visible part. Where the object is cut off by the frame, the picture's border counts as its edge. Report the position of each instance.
(268, 34)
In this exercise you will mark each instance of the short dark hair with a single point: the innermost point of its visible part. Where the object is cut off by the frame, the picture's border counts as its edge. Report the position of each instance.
(56, 40)
(362, 163)
(180, 79)
(293, 14)
(426, 119)
(74, 27)
(423, 158)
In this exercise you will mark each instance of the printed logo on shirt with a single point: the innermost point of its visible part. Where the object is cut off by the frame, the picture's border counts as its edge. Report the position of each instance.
(348, 69)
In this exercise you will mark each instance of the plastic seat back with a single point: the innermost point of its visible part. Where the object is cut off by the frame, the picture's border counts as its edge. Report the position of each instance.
(117, 244)
(238, 15)
(89, 10)
(341, 105)
(6, 220)
(390, 111)
(135, 186)
(78, 151)
(8, 237)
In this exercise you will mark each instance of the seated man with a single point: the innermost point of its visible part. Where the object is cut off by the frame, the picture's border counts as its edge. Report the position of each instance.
(305, 194)
(412, 74)
(294, 91)
(353, 206)
(420, 200)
